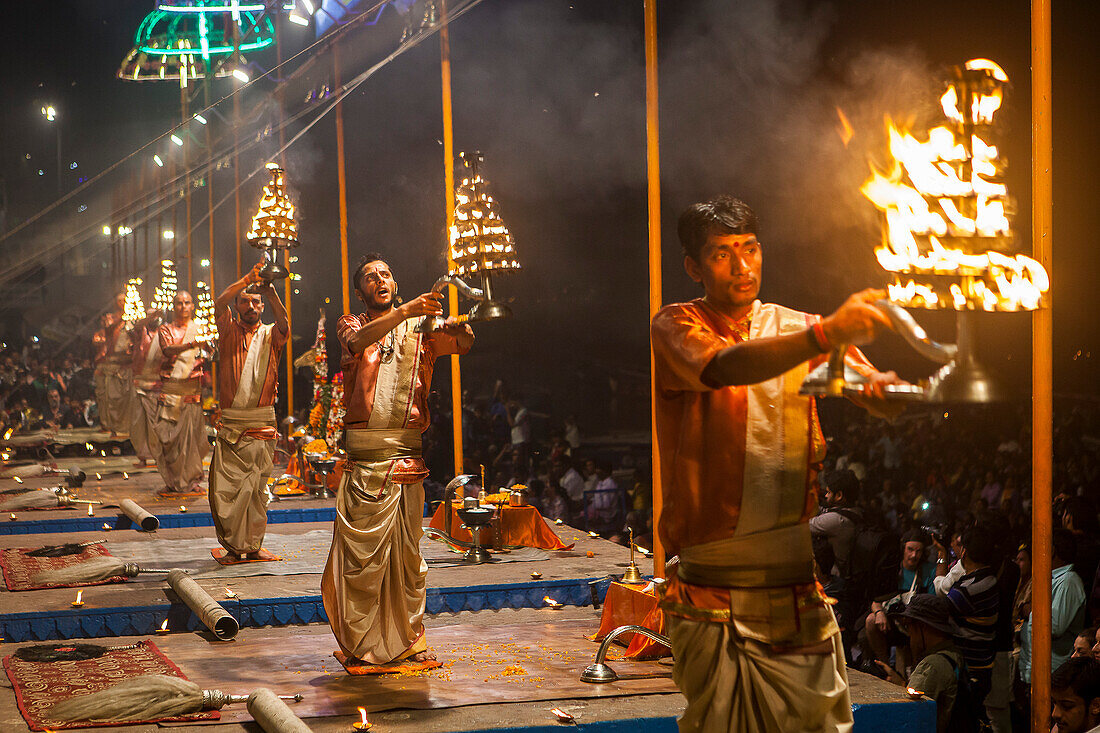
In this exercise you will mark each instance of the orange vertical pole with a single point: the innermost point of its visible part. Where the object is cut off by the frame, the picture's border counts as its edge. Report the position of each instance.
(1042, 408)
(449, 193)
(342, 184)
(209, 187)
(287, 287)
(653, 175)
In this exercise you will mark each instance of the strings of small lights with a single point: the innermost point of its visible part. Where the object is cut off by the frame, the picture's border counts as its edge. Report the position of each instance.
(165, 293)
(134, 309)
(480, 242)
(204, 314)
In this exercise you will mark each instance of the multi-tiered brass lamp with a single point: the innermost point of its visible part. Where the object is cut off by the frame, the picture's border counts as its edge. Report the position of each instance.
(480, 245)
(274, 228)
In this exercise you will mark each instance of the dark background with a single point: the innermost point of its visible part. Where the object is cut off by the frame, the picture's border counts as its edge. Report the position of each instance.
(553, 93)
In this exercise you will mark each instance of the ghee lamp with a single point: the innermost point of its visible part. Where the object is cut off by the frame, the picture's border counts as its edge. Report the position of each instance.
(204, 314)
(133, 310)
(480, 245)
(362, 723)
(274, 228)
(946, 242)
(79, 599)
(165, 292)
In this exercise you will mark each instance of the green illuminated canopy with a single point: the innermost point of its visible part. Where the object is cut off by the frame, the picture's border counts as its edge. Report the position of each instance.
(182, 40)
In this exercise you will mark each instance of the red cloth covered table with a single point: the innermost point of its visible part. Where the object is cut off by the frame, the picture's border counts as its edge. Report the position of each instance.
(522, 525)
(636, 605)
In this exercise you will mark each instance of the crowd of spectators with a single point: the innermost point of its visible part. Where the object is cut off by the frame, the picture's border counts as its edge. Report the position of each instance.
(45, 391)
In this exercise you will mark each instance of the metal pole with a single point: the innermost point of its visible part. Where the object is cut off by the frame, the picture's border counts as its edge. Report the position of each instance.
(186, 190)
(653, 175)
(449, 192)
(287, 289)
(1042, 409)
(209, 185)
(236, 157)
(341, 184)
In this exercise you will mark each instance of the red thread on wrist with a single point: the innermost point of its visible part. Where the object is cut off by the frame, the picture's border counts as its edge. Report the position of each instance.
(820, 337)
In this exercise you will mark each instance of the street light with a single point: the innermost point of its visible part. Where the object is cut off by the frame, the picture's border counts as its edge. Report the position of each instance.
(50, 113)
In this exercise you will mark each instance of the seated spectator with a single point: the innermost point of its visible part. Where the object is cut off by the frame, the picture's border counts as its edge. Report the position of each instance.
(554, 504)
(1082, 645)
(53, 413)
(914, 576)
(1067, 602)
(1075, 697)
(940, 671)
(73, 416)
(974, 605)
(603, 511)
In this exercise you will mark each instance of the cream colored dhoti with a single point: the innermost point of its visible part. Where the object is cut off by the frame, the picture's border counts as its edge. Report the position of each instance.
(238, 479)
(143, 416)
(738, 685)
(182, 437)
(374, 584)
(117, 389)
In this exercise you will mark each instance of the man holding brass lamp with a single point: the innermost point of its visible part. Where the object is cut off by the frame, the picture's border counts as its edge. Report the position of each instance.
(374, 582)
(248, 385)
(757, 647)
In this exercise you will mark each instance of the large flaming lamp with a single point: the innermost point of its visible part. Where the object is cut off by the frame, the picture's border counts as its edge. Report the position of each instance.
(480, 245)
(133, 310)
(204, 314)
(946, 239)
(165, 293)
(273, 226)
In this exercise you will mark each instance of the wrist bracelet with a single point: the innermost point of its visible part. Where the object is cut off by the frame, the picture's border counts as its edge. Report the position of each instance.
(820, 339)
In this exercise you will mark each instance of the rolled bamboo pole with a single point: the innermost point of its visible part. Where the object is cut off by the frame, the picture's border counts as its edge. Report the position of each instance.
(139, 516)
(272, 714)
(209, 611)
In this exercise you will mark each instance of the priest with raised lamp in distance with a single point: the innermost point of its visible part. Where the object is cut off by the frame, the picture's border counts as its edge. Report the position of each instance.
(248, 381)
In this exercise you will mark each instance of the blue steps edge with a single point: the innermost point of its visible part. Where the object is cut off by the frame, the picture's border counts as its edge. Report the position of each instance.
(167, 521)
(91, 623)
(893, 717)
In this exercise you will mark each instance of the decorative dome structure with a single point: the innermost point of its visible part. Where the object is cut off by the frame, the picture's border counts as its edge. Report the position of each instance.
(184, 39)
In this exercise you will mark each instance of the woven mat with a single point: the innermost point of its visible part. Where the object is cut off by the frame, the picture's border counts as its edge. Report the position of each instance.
(301, 554)
(40, 685)
(19, 568)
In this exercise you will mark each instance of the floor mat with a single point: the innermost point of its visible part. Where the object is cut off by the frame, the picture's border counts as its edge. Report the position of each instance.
(19, 568)
(40, 685)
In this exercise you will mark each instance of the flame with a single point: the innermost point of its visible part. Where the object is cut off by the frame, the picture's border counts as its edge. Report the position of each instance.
(90, 511)
(106, 525)
(164, 626)
(134, 309)
(12, 516)
(946, 190)
(362, 723)
(79, 597)
(846, 131)
(17, 479)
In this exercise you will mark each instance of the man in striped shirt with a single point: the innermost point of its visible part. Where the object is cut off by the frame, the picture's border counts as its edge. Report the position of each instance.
(974, 604)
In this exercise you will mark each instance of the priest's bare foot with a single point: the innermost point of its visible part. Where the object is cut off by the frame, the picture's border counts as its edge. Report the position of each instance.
(262, 554)
(424, 656)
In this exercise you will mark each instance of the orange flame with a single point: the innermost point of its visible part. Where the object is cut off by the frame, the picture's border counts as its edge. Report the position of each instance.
(362, 723)
(846, 131)
(947, 190)
(164, 626)
(79, 596)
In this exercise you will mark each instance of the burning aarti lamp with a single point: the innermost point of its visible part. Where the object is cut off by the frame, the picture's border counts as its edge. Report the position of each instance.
(946, 240)
(274, 228)
(134, 309)
(204, 314)
(165, 293)
(480, 246)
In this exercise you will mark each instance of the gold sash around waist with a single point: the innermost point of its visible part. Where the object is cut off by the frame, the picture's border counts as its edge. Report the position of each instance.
(181, 387)
(367, 445)
(236, 420)
(768, 559)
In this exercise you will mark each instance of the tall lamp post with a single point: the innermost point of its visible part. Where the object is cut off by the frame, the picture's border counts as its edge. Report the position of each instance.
(50, 113)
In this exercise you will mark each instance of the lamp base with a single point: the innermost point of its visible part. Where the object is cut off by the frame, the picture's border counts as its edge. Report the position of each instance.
(489, 310)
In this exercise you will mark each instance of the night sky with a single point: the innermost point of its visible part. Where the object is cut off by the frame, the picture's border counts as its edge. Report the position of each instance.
(552, 92)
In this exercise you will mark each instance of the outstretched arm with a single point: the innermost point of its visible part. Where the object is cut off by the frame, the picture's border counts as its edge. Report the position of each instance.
(428, 304)
(749, 362)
